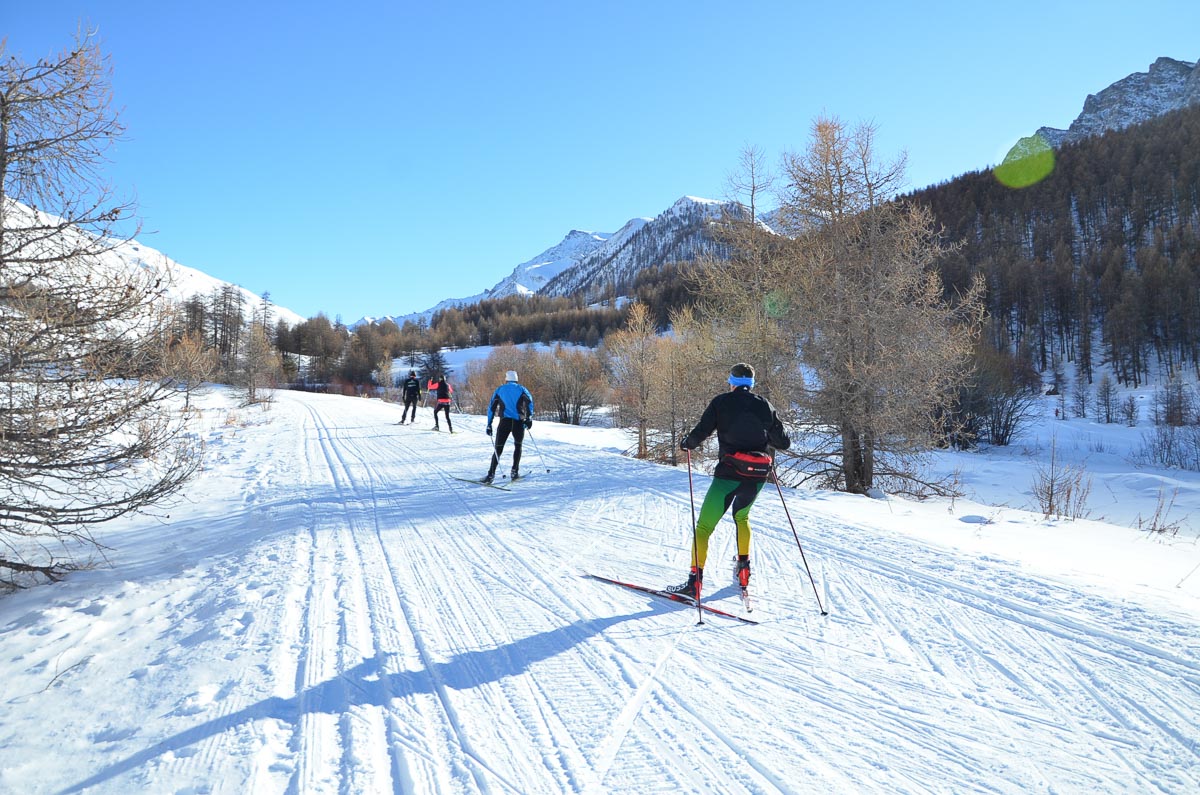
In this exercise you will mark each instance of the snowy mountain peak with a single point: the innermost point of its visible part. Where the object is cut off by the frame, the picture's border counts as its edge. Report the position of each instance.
(527, 278)
(579, 235)
(681, 233)
(586, 261)
(696, 200)
(1168, 85)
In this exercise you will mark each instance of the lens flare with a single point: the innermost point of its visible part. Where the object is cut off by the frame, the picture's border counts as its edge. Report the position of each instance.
(776, 304)
(1029, 162)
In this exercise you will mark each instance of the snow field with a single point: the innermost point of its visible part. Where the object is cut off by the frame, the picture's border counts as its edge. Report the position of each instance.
(329, 610)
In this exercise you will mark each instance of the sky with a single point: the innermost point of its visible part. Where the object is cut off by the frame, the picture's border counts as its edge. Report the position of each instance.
(375, 158)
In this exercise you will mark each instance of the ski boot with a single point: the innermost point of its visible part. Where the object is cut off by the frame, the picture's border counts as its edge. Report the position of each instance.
(691, 587)
(514, 475)
(741, 570)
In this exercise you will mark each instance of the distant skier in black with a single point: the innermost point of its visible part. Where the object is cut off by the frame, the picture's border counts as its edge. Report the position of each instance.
(412, 396)
(443, 390)
(747, 428)
(514, 405)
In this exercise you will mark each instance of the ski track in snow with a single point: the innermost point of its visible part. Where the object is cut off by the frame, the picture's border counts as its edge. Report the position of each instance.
(337, 613)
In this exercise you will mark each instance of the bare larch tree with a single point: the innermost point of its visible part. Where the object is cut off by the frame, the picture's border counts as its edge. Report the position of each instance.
(886, 349)
(90, 429)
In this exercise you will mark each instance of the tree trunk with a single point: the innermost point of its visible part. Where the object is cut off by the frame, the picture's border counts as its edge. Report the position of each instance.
(856, 460)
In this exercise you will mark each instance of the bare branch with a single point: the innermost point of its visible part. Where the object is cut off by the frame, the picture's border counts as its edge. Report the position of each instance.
(90, 427)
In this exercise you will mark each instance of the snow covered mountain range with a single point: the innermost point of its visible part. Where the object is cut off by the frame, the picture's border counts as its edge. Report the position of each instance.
(182, 282)
(679, 234)
(526, 279)
(592, 262)
(185, 282)
(1168, 85)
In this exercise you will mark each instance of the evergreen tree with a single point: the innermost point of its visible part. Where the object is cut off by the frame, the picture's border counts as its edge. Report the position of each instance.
(433, 364)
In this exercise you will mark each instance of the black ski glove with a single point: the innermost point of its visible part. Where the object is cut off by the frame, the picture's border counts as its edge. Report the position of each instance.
(529, 423)
(686, 444)
(489, 430)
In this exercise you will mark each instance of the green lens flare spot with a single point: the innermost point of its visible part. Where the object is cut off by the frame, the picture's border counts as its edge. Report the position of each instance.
(1029, 162)
(775, 303)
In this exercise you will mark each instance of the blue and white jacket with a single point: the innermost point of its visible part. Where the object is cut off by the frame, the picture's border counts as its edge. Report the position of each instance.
(511, 400)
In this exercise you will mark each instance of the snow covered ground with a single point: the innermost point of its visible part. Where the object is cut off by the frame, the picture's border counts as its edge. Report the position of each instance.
(332, 610)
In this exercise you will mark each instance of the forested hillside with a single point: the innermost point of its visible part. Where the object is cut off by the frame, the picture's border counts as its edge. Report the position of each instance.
(1104, 249)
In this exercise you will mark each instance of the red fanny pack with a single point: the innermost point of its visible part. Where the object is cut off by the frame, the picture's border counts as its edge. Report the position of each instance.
(752, 465)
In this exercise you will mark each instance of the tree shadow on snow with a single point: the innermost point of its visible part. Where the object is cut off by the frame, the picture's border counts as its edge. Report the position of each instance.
(370, 684)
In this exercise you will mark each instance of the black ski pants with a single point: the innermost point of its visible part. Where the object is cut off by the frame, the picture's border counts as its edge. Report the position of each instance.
(506, 426)
(410, 401)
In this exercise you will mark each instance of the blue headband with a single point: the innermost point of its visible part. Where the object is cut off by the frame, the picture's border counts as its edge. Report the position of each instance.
(736, 380)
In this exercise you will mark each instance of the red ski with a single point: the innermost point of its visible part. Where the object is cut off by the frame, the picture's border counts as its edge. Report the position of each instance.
(674, 597)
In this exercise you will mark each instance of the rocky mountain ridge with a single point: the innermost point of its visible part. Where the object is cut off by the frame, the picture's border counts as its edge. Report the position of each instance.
(1168, 85)
(595, 263)
(681, 233)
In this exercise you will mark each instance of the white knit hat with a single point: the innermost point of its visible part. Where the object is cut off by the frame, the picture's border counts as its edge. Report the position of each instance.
(511, 375)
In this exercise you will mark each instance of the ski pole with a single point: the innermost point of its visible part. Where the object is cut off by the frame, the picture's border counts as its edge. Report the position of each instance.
(529, 433)
(495, 462)
(695, 537)
(795, 535)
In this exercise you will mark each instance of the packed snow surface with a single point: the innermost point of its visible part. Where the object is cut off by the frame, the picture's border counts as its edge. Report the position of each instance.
(331, 610)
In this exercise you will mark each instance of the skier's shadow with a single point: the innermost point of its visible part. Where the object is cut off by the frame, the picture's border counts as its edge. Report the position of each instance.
(369, 684)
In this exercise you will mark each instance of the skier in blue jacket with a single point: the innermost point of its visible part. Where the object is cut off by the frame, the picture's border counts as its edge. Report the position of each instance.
(514, 405)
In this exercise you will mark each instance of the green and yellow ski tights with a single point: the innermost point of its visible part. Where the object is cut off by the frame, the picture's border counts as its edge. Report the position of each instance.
(740, 494)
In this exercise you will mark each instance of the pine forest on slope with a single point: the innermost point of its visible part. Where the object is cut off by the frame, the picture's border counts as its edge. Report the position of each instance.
(1106, 247)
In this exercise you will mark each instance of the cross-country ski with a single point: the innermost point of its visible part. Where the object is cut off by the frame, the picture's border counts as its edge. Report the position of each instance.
(489, 484)
(674, 597)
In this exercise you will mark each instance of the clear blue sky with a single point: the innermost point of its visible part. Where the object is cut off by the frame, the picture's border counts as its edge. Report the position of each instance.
(369, 158)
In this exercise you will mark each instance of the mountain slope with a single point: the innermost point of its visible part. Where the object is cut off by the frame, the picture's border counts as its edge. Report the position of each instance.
(593, 263)
(530, 277)
(180, 281)
(681, 233)
(1168, 85)
(527, 278)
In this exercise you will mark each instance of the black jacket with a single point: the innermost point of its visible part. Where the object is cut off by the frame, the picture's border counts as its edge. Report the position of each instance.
(412, 388)
(743, 421)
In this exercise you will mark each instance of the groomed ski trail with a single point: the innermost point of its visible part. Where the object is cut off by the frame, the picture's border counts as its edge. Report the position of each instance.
(352, 618)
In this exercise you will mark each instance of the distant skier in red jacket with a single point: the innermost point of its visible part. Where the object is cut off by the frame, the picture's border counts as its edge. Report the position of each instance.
(443, 390)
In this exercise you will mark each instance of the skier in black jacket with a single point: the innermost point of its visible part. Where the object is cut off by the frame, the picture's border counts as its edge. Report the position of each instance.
(747, 428)
(412, 395)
